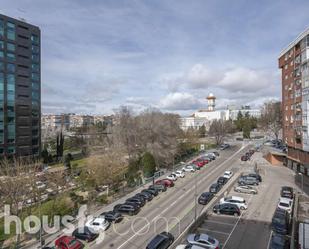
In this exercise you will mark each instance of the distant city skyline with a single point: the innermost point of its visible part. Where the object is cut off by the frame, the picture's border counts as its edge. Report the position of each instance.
(98, 55)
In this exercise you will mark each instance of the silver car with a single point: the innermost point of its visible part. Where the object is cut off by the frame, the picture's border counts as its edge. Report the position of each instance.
(203, 240)
(246, 189)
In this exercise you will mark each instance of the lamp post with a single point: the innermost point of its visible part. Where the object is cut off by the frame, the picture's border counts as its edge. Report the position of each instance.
(195, 194)
(302, 182)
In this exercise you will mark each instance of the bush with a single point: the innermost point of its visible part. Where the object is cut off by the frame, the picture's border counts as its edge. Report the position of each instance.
(102, 199)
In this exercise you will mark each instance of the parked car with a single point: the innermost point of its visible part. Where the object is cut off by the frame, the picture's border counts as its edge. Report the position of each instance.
(112, 216)
(126, 209)
(134, 201)
(222, 180)
(84, 233)
(278, 242)
(159, 187)
(199, 163)
(212, 156)
(180, 174)
(203, 240)
(227, 208)
(287, 192)
(244, 158)
(245, 189)
(68, 242)
(246, 180)
(205, 198)
(280, 222)
(189, 246)
(161, 241)
(224, 146)
(256, 176)
(286, 204)
(154, 192)
(216, 153)
(214, 188)
(239, 201)
(97, 224)
(172, 177)
(165, 182)
(188, 168)
(228, 174)
(145, 196)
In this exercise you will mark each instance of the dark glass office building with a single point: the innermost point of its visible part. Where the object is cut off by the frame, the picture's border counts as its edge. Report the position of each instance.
(20, 88)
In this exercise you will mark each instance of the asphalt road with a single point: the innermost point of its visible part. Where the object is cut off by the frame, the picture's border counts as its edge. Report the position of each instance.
(252, 228)
(168, 208)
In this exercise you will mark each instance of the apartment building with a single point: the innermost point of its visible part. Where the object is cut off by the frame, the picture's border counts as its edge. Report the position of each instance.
(20, 83)
(293, 62)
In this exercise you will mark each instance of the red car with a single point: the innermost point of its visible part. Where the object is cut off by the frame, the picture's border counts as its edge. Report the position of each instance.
(68, 242)
(166, 182)
(199, 163)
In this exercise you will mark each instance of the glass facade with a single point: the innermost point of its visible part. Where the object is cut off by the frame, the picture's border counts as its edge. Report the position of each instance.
(11, 47)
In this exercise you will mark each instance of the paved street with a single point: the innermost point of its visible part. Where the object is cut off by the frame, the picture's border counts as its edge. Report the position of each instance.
(252, 228)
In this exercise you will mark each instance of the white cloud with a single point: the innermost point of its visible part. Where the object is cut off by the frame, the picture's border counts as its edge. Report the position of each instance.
(200, 76)
(179, 101)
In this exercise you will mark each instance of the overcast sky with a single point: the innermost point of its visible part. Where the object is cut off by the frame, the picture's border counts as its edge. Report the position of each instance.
(100, 54)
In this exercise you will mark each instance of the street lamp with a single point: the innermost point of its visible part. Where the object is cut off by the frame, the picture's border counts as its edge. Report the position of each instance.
(195, 194)
(302, 182)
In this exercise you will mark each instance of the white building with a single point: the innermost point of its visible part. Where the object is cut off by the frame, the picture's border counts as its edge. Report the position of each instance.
(205, 117)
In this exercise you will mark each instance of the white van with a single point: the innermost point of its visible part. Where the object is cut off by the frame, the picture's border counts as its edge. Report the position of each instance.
(303, 236)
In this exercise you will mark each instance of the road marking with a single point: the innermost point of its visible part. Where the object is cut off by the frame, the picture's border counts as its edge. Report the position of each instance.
(232, 231)
(213, 231)
(209, 173)
(219, 222)
(268, 244)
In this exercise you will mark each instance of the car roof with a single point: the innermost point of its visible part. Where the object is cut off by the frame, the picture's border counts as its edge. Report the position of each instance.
(287, 188)
(156, 241)
(285, 200)
(234, 198)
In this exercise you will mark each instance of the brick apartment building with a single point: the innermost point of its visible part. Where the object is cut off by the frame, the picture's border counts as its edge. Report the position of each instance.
(293, 62)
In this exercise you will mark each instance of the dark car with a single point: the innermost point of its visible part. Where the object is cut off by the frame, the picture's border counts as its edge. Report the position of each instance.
(154, 192)
(279, 242)
(159, 187)
(128, 209)
(222, 180)
(144, 195)
(84, 233)
(161, 241)
(256, 176)
(246, 180)
(216, 153)
(280, 222)
(244, 158)
(205, 198)
(287, 192)
(139, 201)
(227, 208)
(112, 216)
(214, 188)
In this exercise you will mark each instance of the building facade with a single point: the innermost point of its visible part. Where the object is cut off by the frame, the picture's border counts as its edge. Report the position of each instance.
(293, 62)
(20, 83)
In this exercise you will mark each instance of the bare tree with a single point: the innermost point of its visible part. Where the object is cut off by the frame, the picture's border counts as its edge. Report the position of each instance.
(219, 129)
(271, 117)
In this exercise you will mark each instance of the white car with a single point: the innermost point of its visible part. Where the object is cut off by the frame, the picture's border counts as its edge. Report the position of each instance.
(98, 224)
(285, 204)
(189, 168)
(238, 201)
(228, 174)
(179, 173)
(172, 177)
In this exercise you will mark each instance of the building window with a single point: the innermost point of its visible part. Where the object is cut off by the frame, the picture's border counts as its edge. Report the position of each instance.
(35, 49)
(1, 66)
(35, 76)
(10, 68)
(11, 31)
(286, 66)
(35, 67)
(35, 86)
(11, 47)
(35, 39)
(1, 54)
(10, 56)
(286, 76)
(1, 45)
(35, 95)
(35, 57)
(11, 79)
(11, 150)
(1, 27)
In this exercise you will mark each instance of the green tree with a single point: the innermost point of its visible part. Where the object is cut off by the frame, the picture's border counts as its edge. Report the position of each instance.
(44, 155)
(149, 164)
(246, 130)
(202, 131)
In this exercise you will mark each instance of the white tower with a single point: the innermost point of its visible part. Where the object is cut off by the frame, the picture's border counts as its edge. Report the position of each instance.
(211, 100)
